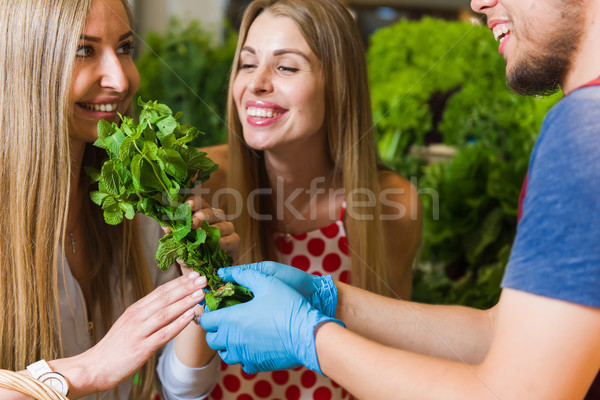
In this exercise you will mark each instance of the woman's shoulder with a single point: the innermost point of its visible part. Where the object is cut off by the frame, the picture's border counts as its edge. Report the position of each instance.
(218, 179)
(389, 179)
(399, 198)
(218, 153)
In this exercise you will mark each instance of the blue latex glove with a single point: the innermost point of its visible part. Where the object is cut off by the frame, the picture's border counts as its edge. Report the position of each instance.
(275, 330)
(319, 291)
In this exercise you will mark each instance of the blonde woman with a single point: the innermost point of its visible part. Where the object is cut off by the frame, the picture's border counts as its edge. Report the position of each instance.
(75, 292)
(304, 183)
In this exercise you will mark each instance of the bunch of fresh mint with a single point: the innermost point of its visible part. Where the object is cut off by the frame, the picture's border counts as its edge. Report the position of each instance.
(151, 169)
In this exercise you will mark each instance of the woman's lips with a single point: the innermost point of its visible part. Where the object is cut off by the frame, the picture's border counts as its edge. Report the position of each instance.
(261, 113)
(99, 110)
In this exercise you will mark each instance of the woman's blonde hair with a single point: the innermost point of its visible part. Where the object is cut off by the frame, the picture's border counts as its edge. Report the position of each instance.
(36, 72)
(334, 38)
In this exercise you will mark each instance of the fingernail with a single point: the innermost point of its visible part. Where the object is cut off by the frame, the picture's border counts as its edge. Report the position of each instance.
(200, 281)
(193, 275)
(198, 293)
(189, 313)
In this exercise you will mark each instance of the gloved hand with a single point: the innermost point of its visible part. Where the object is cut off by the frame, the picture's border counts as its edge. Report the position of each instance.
(275, 330)
(319, 291)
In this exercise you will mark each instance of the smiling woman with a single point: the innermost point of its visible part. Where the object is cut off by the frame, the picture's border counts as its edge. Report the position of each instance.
(301, 176)
(105, 77)
(81, 293)
(279, 91)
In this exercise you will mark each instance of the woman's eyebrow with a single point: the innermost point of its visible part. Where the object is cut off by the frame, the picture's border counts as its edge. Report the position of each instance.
(279, 52)
(97, 39)
(282, 52)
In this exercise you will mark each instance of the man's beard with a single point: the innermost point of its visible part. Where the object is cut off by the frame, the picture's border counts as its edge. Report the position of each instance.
(540, 73)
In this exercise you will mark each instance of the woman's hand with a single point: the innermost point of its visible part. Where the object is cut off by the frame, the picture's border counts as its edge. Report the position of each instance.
(143, 328)
(230, 240)
(201, 211)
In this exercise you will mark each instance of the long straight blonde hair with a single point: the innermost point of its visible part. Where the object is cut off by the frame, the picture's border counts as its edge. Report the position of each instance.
(38, 59)
(334, 38)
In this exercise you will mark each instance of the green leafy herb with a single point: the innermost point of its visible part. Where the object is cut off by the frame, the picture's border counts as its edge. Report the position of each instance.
(150, 169)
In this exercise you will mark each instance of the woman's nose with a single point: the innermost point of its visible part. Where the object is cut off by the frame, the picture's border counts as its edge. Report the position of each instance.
(113, 76)
(261, 81)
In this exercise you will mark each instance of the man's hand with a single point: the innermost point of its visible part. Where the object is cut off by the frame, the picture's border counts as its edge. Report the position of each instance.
(319, 291)
(275, 330)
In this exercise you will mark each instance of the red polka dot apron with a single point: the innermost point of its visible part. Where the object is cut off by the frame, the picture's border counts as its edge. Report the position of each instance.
(323, 251)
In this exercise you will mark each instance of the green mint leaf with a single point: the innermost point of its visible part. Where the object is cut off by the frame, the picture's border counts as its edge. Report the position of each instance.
(112, 212)
(113, 217)
(100, 143)
(166, 126)
(127, 129)
(105, 129)
(225, 290)
(144, 178)
(127, 151)
(109, 180)
(199, 239)
(150, 150)
(187, 134)
(173, 163)
(98, 197)
(212, 302)
(113, 142)
(183, 221)
(154, 105)
(93, 173)
(169, 250)
(128, 209)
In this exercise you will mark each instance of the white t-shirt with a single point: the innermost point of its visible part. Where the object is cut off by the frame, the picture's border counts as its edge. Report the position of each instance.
(179, 382)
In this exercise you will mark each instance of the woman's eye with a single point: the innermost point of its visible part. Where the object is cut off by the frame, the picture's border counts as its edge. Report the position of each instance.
(287, 69)
(84, 51)
(126, 48)
(247, 66)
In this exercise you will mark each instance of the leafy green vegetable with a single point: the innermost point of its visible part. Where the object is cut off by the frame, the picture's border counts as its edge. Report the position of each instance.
(435, 81)
(150, 169)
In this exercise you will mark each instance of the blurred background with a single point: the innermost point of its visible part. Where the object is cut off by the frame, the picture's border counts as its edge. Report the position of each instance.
(370, 14)
(444, 119)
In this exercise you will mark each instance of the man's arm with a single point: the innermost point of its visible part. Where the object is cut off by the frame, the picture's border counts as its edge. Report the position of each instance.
(450, 332)
(540, 348)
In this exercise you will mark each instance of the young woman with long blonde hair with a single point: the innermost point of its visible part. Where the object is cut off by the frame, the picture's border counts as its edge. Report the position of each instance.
(75, 291)
(305, 186)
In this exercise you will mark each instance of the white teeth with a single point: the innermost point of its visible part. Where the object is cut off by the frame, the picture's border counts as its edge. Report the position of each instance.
(262, 112)
(501, 30)
(100, 107)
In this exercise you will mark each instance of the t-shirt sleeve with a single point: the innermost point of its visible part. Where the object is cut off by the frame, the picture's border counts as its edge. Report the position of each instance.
(180, 382)
(557, 248)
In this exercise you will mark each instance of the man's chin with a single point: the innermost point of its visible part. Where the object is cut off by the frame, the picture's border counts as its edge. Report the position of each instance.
(536, 78)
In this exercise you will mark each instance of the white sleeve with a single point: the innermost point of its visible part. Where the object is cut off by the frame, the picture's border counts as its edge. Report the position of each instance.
(180, 382)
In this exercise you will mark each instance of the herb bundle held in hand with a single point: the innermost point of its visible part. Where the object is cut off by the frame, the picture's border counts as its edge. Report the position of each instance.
(151, 170)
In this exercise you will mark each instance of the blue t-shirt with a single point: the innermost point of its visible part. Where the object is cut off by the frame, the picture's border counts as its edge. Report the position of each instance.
(557, 248)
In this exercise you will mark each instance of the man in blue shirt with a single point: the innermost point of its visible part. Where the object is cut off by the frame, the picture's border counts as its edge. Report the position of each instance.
(542, 339)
